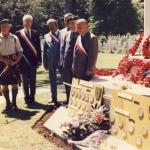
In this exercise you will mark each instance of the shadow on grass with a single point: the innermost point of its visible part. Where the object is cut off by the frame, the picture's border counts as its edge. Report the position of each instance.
(37, 105)
(20, 114)
(45, 81)
(41, 72)
(42, 83)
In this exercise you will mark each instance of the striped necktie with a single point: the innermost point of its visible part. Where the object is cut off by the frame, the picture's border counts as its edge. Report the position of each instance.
(28, 34)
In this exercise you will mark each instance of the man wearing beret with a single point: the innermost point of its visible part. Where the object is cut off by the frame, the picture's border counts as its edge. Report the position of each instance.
(69, 50)
(63, 34)
(10, 54)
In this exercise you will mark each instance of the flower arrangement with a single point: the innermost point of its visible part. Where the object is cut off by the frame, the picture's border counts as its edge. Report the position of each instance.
(146, 48)
(104, 72)
(133, 50)
(97, 141)
(84, 124)
(126, 64)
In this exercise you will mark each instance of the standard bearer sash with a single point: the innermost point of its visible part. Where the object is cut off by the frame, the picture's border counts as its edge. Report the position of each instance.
(79, 46)
(54, 37)
(28, 42)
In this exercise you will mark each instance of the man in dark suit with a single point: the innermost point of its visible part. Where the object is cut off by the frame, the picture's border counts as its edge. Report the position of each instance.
(85, 53)
(70, 42)
(63, 34)
(30, 42)
(51, 56)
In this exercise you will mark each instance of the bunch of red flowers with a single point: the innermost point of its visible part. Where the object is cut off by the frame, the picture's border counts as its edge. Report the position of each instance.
(104, 72)
(146, 48)
(99, 118)
(126, 64)
(133, 50)
(146, 82)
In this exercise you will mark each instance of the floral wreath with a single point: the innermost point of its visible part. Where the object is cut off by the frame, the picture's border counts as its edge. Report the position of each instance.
(126, 64)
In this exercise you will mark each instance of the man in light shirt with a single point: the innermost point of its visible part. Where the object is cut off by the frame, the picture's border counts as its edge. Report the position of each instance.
(10, 54)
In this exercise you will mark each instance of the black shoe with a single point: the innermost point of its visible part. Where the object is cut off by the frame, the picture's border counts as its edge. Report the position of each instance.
(8, 107)
(14, 107)
(27, 101)
(65, 103)
(56, 104)
(32, 99)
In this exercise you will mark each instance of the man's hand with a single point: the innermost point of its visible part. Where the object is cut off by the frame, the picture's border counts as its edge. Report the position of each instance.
(88, 73)
(13, 63)
(8, 62)
(45, 67)
(39, 63)
(73, 71)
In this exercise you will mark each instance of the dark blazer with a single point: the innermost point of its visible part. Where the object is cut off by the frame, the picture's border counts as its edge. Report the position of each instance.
(35, 40)
(51, 54)
(83, 63)
(69, 49)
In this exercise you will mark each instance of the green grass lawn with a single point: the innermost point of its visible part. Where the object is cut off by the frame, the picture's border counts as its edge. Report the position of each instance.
(15, 127)
(105, 60)
(108, 61)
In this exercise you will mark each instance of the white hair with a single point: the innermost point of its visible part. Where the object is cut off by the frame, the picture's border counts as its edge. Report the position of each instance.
(51, 20)
(27, 17)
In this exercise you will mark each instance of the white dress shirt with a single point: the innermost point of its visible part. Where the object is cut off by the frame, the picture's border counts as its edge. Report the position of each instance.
(9, 45)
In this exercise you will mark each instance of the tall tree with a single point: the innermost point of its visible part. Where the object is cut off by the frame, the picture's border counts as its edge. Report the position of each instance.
(113, 16)
(43, 10)
(14, 10)
(77, 7)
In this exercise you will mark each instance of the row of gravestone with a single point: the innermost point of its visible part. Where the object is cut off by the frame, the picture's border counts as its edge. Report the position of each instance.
(117, 44)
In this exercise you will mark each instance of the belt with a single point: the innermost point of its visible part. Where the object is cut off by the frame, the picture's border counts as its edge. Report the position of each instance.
(13, 56)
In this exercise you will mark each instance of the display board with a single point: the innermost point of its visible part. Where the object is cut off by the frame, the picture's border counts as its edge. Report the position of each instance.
(130, 118)
(83, 95)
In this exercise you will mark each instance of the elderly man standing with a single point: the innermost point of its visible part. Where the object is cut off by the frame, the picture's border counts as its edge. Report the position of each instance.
(85, 53)
(10, 54)
(30, 42)
(51, 56)
(63, 35)
(70, 42)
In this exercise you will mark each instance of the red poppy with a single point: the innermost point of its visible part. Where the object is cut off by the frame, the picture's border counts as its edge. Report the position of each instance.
(99, 118)
(126, 64)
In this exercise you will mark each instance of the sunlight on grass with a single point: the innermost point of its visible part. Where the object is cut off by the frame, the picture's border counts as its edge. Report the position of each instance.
(105, 60)
(108, 61)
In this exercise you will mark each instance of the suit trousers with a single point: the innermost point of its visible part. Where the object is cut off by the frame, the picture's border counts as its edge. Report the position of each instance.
(68, 76)
(53, 81)
(29, 82)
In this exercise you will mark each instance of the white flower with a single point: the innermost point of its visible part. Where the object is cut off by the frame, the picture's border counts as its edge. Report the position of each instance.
(75, 124)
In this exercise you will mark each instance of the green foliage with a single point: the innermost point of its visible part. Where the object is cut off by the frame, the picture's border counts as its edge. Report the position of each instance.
(105, 16)
(139, 7)
(39, 9)
(43, 10)
(80, 9)
(114, 16)
(14, 10)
